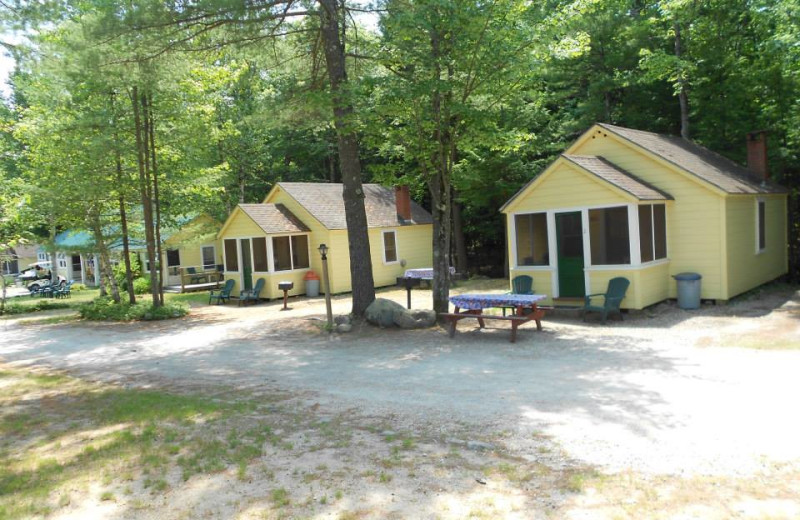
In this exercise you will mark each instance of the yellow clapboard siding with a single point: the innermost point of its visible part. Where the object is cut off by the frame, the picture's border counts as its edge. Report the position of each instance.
(319, 233)
(542, 282)
(566, 187)
(746, 267)
(414, 245)
(694, 225)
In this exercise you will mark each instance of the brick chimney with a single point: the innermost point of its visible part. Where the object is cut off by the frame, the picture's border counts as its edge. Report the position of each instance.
(402, 199)
(757, 153)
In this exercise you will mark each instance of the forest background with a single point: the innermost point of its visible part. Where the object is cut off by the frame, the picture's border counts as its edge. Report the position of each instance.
(126, 118)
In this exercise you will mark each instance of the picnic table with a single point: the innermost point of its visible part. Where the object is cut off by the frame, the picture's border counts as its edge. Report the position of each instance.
(526, 309)
(413, 277)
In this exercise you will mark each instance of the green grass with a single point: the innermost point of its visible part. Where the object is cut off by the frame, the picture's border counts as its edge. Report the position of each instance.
(58, 433)
(24, 304)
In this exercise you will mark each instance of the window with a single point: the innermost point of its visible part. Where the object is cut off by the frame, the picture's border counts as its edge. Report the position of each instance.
(762, 226)
(209, 256)
(290, 252)
(389, 247)
(281, 253)
(173, 258)
(652, 232)
(300, 252)
(608, 234)
(41, 257)
(260, 255)
(62, 260)
(531, 237)
(231, 255)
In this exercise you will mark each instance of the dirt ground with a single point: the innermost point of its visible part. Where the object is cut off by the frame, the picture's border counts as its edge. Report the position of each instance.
(667, 414)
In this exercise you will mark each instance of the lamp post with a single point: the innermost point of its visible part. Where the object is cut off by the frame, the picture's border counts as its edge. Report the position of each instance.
(323, 251)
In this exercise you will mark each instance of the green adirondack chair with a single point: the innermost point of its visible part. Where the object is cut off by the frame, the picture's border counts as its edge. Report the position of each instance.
(612, 299)
(253, 294)
(223, 295)
(63, 291)
(522, 284)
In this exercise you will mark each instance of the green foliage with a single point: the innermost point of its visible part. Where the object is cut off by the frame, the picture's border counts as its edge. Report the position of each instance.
(119, 272)
(141, 285)
(38, 305)
(104, 309)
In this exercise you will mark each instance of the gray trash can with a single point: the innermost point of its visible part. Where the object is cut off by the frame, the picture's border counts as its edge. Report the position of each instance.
(688, 290)
(312, 288)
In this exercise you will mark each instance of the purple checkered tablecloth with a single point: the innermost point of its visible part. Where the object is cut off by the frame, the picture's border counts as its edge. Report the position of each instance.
(425, 273)
(483, 301)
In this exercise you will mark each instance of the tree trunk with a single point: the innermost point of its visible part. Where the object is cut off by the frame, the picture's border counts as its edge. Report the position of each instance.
(156, 197)
(102, 251)
(462, 265)
(353, 192)
(241, 184)
(439, 184)
(143, 162)
(121, 184)
(54, 254)
(683, 95)
(440, 198)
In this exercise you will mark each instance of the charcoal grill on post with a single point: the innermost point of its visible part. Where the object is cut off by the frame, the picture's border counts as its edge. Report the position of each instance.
(285, 287)
(408, 283)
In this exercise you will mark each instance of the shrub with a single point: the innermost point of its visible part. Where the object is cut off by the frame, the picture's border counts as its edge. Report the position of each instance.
(78, 287)
(104, 309)
(40, 305)
(141, 285)
(119, 272)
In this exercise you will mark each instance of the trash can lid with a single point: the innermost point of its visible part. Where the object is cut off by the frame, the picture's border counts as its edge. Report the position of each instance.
(687, 276)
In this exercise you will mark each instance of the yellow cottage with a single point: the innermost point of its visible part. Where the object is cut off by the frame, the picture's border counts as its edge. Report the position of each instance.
(193, 245)
(278, 239)
(622, 202)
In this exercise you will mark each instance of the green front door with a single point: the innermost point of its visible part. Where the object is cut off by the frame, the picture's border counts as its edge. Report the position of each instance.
(247, 264)
(569, 235)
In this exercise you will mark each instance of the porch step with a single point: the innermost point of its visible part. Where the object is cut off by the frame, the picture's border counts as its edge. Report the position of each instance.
(568, 303)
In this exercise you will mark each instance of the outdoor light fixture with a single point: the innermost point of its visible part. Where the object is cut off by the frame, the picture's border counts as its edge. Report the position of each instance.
(323, 251)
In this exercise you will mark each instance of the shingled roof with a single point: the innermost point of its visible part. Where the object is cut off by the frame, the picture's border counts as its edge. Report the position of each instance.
(274, 218)
(325, 203)
(618, 177)
(697, 160)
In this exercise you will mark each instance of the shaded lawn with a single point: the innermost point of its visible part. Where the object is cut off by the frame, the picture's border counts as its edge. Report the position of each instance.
(59, 434)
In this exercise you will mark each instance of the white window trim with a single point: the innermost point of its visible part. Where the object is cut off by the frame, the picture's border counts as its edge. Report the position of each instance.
(166, 257)
(759, 201)
(267, 252)
(270, 259)
(291, 252)
(238, 255)
(515, 257)
(213, 248)
(396, 247)
(633, 241)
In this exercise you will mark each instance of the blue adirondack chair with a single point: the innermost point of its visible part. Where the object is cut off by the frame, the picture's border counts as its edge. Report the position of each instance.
(253, 294)
(223, 295)
(612, 298)
(522, 284)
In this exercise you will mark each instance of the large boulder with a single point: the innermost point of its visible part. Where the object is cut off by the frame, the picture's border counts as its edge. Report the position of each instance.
(381, 312)
(414, 319)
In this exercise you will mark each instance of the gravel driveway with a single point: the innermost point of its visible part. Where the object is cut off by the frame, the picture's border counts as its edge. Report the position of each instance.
(666, 391)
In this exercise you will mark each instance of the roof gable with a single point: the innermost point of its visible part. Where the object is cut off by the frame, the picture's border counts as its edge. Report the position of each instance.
(616, 176)
(708, 167)
(584, 166)
(270, 218)
(325, 202)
